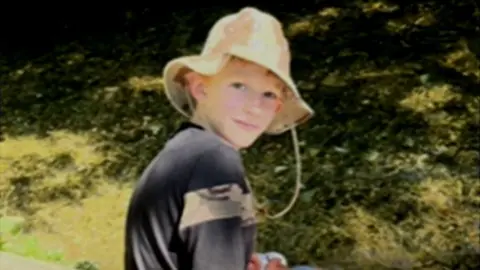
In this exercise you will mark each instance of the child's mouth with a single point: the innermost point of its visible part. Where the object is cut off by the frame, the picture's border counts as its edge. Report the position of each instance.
(245, 125)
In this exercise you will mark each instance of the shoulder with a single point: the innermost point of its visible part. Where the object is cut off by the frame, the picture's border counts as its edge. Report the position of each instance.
(220, 157)
(206, 151)
(203, 158)
(217, 165)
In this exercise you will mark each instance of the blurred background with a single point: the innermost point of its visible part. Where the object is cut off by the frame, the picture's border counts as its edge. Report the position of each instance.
(391, 159)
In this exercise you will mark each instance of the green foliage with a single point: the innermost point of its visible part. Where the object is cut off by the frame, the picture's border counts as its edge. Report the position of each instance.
(86, 265)
(390, 160)
(11, 225)
(14, 239)
(30, 247)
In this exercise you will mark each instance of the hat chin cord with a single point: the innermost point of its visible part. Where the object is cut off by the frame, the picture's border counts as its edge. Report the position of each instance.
(298, 179)
(298, 168)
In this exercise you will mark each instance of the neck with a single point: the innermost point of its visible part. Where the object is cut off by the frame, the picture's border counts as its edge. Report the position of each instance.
(202, 120)
(199, 119)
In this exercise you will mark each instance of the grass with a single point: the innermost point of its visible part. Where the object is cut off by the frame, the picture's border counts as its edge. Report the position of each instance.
(74, 228)
(444, 225)
(28, 246)
(59, 222)
(97, 222)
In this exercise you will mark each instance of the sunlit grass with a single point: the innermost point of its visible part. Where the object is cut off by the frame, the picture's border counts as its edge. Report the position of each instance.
(57, 230)
(377, 241)
(443, 226)
(93, 230)
(60, 165)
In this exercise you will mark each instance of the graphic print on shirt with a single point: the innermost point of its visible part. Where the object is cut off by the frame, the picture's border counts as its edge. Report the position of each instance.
(215, 203)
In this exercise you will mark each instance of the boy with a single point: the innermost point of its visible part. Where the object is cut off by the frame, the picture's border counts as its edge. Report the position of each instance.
(193, 209)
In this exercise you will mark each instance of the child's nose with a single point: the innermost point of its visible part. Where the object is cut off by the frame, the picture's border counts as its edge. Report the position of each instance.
(254, 105)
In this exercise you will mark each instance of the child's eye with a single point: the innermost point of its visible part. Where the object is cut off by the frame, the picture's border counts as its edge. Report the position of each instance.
(239, 86)
(270, 95)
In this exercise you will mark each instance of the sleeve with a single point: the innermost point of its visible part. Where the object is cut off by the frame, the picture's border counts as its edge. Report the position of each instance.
(211, 222)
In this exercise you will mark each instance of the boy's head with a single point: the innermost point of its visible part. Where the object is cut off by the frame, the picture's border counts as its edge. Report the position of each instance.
(241, 81)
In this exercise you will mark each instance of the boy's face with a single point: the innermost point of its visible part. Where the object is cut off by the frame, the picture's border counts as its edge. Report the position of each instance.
(241, 101)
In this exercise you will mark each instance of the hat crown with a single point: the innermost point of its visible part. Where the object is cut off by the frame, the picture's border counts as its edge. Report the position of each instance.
(254, 30)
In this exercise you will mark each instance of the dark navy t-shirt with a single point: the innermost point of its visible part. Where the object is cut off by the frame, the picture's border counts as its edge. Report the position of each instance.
(192, 208)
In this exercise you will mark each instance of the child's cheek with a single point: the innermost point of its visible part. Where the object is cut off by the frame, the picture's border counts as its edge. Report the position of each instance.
(233, 104)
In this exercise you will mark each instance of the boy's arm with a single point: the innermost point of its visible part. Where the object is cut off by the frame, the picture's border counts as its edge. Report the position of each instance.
(211, 223)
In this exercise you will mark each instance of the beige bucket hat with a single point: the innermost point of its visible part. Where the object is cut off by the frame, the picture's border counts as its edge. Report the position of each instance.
(251, 35)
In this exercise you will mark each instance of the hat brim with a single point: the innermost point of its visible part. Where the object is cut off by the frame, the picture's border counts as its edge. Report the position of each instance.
(294, 111)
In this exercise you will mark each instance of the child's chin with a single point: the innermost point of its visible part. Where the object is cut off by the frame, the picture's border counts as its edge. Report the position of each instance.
(244, 141)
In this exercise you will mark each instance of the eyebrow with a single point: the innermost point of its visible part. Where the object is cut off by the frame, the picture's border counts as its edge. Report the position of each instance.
(281, 90)
(279, 84)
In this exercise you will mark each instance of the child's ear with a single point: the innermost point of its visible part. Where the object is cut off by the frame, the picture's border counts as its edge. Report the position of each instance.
(196, 85)
(279, 107)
